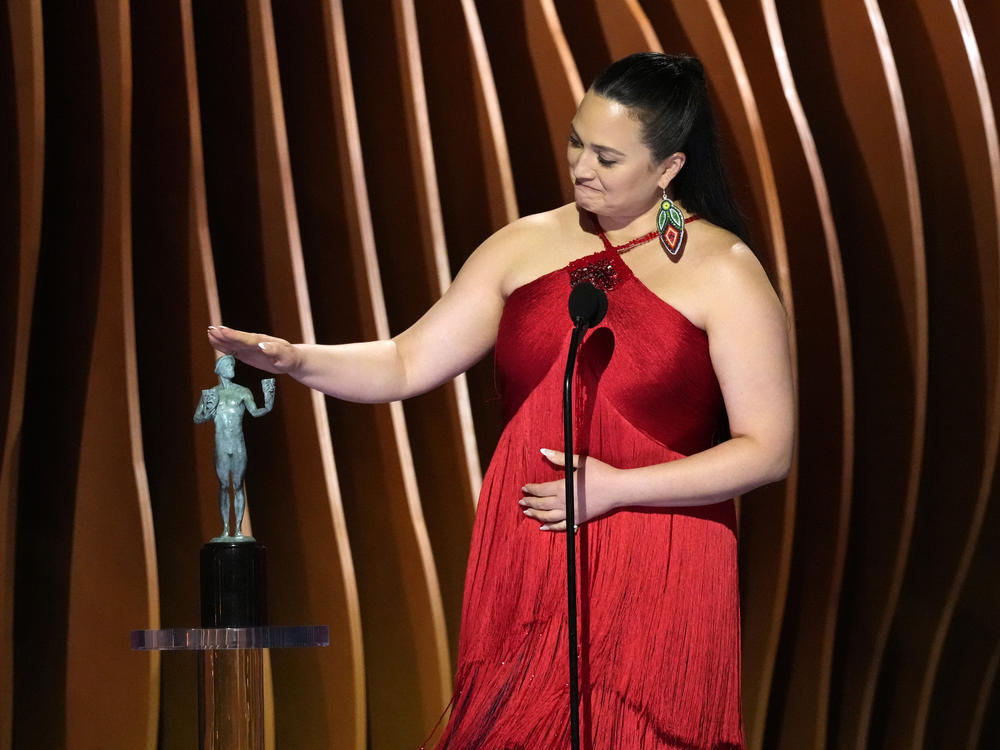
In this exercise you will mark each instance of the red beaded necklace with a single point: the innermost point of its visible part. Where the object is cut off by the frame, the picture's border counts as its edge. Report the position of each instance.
(636, 241)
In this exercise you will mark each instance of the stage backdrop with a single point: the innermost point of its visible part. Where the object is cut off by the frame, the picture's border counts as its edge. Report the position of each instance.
(320, 169)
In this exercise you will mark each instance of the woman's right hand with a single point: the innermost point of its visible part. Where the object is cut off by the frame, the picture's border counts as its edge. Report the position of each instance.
(264, 352)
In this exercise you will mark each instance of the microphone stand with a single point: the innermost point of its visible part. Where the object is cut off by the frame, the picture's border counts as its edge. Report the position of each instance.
(587, 306)
(579, 330)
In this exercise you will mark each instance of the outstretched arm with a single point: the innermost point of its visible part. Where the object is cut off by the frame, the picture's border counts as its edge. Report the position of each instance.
(748, 343)
(452, 336)
(267, 386)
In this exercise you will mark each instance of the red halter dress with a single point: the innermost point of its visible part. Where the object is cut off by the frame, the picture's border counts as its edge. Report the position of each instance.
(659, 613)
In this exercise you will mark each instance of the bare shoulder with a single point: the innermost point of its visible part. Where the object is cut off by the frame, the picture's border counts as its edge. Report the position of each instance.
(528, 247)
(732, 278)
(532, 230)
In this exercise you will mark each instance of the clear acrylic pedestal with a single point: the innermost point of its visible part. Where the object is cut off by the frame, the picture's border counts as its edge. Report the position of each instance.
(230, 675)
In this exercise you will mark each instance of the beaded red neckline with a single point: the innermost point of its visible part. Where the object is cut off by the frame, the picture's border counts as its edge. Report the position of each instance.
(635, 241)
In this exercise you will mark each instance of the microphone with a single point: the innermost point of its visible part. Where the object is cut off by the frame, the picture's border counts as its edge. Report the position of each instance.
(587, 305)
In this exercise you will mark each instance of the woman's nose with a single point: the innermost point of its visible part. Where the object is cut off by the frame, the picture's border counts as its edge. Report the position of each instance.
(583, 165)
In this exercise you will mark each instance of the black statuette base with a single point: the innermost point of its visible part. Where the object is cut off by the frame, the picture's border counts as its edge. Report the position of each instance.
(233, 585)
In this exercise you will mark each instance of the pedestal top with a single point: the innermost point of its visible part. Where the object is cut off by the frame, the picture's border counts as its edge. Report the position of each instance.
(201, 639)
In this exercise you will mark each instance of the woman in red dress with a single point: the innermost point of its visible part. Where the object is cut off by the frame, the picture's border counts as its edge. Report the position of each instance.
(684, 399)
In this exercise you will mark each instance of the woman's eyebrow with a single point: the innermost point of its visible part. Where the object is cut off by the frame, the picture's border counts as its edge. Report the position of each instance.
(596, 146)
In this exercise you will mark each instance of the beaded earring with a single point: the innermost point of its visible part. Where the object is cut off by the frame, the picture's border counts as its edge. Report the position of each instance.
(670, 225)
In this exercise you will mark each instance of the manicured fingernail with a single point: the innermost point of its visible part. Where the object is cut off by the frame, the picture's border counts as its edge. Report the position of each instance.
(547, 453)
(211, 328)
(544, 527)
(262, 346)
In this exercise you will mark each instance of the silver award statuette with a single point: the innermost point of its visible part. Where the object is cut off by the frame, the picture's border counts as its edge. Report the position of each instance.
(226, 404)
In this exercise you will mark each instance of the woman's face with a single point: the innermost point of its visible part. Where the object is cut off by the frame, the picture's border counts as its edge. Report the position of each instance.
(612, 169)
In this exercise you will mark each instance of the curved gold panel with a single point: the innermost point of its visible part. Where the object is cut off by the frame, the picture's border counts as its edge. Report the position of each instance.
(580, 24)
(439, 458)
(626, 26)
(112, 579)
(984, 731)
(967, 673)
(23, 164)
(476, 191)
(9, 221)
(171, 247)
(957, 161)
(863, 140)
(376, 476)
(538, 89)
(965, 677)
(984, 18)
(466, 160)
(601, 31)
(311, 460)
(60, 343)
(797, 712)
(444, 451)
(402, 192)
(558, 78)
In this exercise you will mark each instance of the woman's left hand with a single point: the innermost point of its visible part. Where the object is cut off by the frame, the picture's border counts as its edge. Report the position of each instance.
(594, 492)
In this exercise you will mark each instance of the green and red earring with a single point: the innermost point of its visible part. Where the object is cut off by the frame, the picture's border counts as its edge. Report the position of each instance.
(670, 225)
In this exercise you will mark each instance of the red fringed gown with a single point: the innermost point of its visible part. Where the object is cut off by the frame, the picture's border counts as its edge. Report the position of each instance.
(659, 606)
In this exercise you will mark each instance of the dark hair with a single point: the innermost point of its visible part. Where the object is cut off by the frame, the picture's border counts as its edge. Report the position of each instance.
(669, 95)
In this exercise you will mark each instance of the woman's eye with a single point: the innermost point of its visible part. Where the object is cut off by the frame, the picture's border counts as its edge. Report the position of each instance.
(574, 141)
(606, 162)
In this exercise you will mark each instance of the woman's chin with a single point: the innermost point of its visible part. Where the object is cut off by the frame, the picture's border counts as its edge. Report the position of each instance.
(585, 198)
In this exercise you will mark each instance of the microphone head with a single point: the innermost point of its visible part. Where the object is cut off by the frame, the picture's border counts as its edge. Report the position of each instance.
(587, 305)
